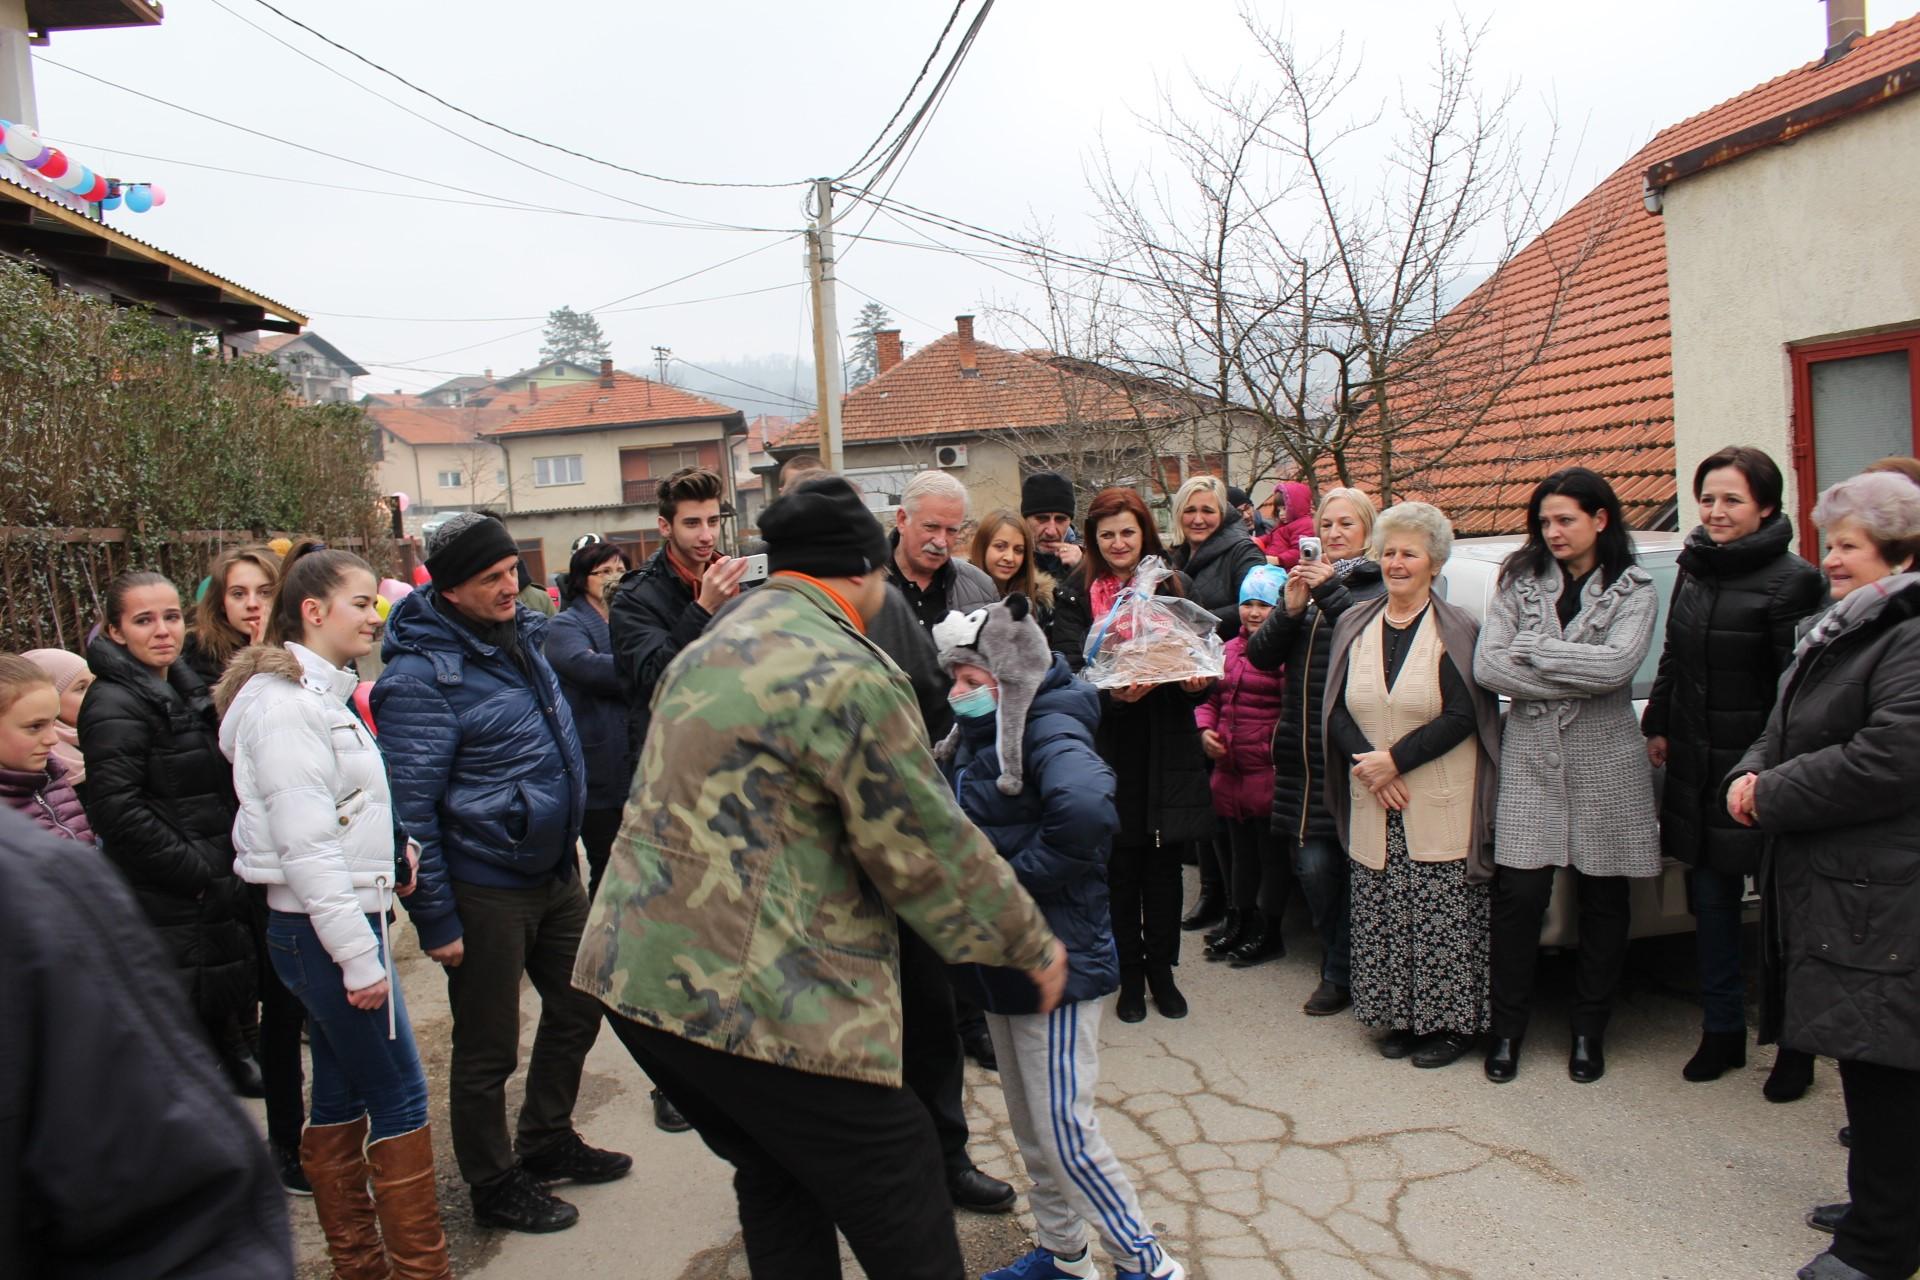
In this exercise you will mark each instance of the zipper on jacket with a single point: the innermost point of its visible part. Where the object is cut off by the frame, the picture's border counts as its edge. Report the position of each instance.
(40, 799)
(1306, 715)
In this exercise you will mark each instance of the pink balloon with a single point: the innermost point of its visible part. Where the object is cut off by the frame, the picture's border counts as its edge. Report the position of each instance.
(159, 194)
(393, 590)
(404, 502)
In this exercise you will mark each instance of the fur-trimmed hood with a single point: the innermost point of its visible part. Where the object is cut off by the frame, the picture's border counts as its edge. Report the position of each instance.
(254, 660)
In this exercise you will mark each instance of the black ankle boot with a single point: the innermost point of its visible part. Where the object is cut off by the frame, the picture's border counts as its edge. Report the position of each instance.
(1261, 944)
(1209, 911)
(1503, 1059)
(1132, 1005)
(1166, 997)
(1719, 1052)
(1587, 1061)
(1221, 941)
(1791, 1077)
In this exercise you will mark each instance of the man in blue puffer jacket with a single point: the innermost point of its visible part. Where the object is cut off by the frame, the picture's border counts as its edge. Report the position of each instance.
(488, 776)
(1023, 766)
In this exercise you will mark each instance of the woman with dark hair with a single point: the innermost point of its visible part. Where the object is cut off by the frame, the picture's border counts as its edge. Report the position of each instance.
(1830, 783)
(1741, 595)
(1571, 622)
(581, 653)
(1002, 548)
(1148, 737)
(232, 611)
(160, 797)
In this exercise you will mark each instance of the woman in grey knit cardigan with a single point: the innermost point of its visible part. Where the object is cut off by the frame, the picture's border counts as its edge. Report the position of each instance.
(1573, 619)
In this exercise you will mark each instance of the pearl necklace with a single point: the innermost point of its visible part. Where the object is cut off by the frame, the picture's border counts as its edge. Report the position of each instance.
(1398, 623)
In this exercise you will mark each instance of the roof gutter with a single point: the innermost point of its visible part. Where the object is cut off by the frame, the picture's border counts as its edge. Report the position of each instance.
(1784, 128)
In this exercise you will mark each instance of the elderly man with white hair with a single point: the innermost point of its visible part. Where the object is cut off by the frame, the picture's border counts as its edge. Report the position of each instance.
(933, 512)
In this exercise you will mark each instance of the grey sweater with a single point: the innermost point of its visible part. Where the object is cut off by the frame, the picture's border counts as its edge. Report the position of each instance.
(1575, 785)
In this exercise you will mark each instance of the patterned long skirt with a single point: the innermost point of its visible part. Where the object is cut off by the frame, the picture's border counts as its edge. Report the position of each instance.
(1420, 943)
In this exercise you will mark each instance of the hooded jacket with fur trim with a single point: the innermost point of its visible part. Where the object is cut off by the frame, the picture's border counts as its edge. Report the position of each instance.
(316, 819)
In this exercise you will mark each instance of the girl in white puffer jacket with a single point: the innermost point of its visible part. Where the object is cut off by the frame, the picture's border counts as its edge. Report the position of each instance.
(316, 828)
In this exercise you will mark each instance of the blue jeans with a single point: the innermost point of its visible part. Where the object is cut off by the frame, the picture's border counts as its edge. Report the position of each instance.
(357, 1070)
(1716, 912)
(1320, 866)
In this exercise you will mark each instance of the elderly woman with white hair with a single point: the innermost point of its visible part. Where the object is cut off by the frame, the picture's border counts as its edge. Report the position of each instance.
(1831, 784)
(1412, 775)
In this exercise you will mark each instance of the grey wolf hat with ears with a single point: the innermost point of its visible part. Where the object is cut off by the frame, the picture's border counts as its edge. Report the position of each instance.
(1004, 639)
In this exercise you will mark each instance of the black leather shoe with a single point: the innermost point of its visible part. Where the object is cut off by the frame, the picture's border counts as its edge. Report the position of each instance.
(1262, 943)
(293, 1178)
(1209, 911)
(515, 1202)
(1166, 996)
(979, 1047)
(1442, 1050)
(1397, 1044)
(572, 1160)
(244, 1073)
(1132, 1004)
(1588, 1061)
(1327, 999)
(1845, 1136)
(1222, 941)
(1503, 1059)
(977, 1192)
(666, 1116)
(1826, 1217)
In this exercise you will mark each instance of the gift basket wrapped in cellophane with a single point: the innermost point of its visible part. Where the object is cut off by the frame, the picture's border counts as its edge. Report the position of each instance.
(1150, 639)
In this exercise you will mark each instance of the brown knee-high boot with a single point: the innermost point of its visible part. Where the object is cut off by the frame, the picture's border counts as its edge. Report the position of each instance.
(409, 1207)
(334, 1157)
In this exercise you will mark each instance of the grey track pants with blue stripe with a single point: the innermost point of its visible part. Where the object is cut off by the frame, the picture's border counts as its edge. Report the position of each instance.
(1049, 1070)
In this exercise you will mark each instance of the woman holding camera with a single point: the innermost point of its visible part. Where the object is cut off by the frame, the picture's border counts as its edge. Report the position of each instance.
(1831, 784)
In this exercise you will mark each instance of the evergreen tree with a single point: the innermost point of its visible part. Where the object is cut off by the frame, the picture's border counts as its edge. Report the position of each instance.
(865, 363)
(573, 336)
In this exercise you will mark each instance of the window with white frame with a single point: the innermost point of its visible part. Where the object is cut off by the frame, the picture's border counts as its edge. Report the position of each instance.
(564, 469)
(449, 479)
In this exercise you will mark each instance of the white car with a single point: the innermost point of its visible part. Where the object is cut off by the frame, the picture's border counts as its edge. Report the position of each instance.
(1468, 580)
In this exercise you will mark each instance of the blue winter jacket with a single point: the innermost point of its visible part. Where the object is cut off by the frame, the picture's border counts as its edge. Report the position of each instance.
(485, 768)
(580, 652)
(1057, 833)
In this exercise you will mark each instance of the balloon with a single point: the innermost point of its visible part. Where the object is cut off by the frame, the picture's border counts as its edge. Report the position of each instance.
(111, 203)
(23, 143)
(54, 165)
(78, 178)
(159, 195)
(280, 546)
(5, 127)
(97, 192)
(404, 502)
(393, 590)
(382, 606)
(139, 199)
(421, 578)
(363, 703)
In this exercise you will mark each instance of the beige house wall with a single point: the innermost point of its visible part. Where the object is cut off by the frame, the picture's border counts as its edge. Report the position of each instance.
(557, 530)
(415, 469)
(992, 473)
(599, 453)
(1789, 245)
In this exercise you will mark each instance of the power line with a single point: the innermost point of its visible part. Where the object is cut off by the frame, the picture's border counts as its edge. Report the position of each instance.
(911, 90)
(777, 396)
(511, 132)
(930, 103)
(604, 311)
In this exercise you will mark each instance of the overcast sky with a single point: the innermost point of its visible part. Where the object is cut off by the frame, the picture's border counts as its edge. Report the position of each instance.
(746, 91)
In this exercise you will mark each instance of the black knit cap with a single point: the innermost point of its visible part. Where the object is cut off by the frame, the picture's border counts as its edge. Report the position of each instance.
(1237, 497)
(1045, 492)
(466, 546)
(822, 529)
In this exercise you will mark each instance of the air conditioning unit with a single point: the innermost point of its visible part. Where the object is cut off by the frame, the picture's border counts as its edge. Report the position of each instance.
(950, 455)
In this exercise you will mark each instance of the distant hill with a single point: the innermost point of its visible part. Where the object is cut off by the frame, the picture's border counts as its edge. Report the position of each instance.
(776, 384)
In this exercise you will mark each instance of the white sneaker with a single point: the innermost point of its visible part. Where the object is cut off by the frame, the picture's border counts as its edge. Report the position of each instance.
(1168, 1269)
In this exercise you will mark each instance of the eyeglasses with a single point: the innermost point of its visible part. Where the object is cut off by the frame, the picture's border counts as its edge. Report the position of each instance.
(610, 571)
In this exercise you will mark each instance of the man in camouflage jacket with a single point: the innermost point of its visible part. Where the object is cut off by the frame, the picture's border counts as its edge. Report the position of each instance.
(785, 808)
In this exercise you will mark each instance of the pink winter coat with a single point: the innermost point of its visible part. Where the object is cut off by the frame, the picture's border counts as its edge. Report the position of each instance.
(1296, 522)
(1243, 708)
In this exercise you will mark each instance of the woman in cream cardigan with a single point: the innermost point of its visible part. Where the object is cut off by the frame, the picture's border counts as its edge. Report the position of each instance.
(1413, 746)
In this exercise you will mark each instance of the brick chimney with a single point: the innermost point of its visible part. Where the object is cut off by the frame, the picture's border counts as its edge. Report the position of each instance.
(1846, 24)
(533, 392)
(886, 349)
(969, 360)
(606, 371)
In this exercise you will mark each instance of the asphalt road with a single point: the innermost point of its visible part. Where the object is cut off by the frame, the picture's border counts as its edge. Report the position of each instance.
(1268, 1144)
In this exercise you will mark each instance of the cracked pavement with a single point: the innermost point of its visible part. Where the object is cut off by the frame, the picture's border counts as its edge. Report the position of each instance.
(1268, 1144)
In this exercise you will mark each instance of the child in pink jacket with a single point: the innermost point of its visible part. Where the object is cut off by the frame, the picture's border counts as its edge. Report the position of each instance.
(1236, 730)
(1293, 520)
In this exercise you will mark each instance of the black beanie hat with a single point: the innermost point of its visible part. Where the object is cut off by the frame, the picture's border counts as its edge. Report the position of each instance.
(1045, 492)
(821, 528)
(465, 546)
(1237, 497)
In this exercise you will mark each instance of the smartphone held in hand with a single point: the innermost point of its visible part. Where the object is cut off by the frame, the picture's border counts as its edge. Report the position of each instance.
(756, 570)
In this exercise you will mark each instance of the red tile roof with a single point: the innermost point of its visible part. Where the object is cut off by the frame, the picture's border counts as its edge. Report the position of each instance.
(1602, 393)
(423, 424)
(927, 395)
(630, 401)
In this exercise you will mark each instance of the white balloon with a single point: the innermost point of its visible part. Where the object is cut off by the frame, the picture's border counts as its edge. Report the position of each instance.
(23, 143)
(76, 179)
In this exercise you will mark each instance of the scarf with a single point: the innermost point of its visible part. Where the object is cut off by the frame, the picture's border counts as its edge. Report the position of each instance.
(1341, 568)
(1852, 607)
(1103, 591)
(68, 749)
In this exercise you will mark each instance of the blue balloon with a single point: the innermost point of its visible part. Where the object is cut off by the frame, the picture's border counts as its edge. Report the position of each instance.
(110, 203)
(139, 199)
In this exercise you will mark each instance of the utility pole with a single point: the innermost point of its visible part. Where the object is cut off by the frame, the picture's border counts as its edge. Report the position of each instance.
(826, 324)
(661, 357)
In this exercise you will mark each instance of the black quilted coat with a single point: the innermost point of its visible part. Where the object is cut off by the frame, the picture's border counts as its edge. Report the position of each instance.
(1153, 746)
(1217, 567)
(1839, 767)
(160, 797)
(1730, 634)
(1302, 645)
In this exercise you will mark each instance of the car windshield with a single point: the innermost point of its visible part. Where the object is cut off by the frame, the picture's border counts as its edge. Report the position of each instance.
(1664, 566)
